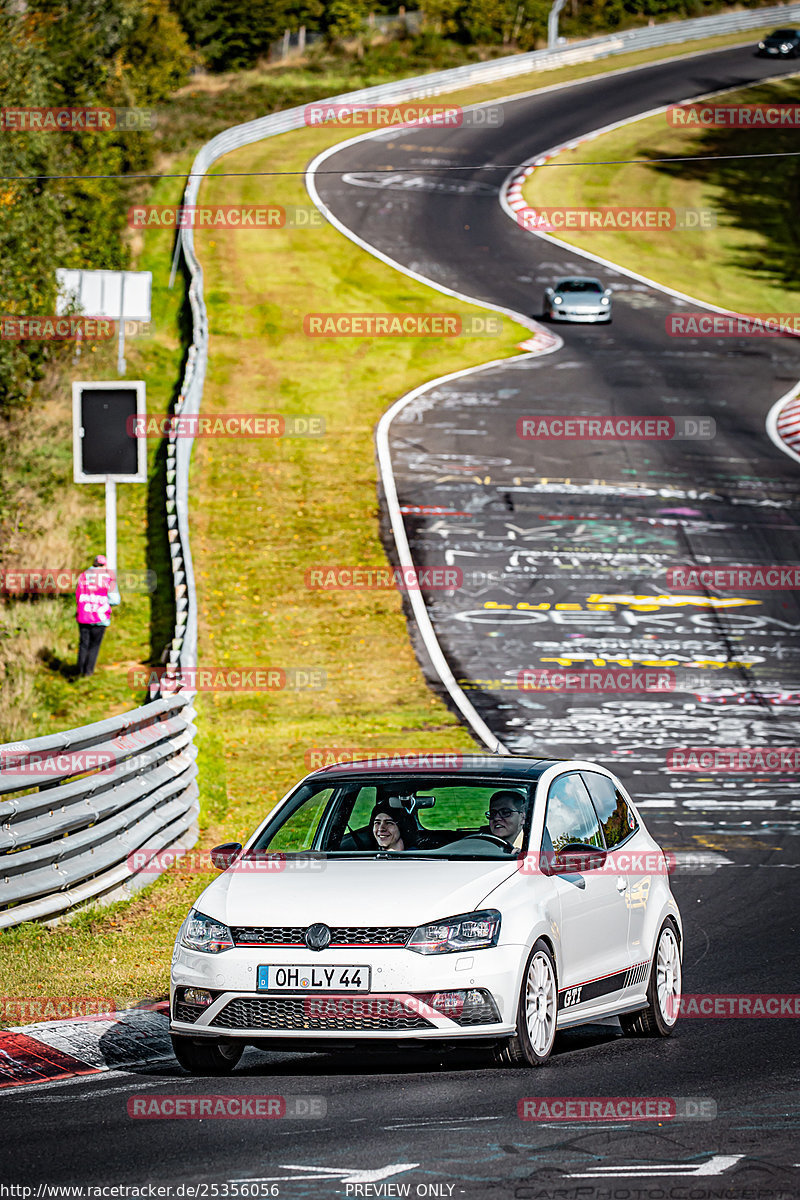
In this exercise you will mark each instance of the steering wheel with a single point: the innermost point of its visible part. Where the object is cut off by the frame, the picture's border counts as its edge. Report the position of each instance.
(490, 837)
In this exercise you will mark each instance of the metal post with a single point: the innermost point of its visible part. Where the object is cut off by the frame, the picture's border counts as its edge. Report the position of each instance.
(111, 524)
(121, 331)
(552, 24)
(178, 245)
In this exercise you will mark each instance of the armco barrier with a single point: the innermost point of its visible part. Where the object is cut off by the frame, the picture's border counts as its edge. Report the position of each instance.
(69, 840)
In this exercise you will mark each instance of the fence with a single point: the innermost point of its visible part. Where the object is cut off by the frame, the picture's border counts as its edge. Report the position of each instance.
(69, 840)
(103, 791)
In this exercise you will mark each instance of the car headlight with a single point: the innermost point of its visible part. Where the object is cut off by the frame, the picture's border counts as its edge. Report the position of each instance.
(761, 45)
(470, 931)
(203, 933)
(557, 300)
(786, 46)
(605, 300)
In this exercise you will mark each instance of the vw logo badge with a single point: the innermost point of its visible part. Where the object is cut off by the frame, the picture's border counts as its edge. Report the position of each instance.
(318, 937)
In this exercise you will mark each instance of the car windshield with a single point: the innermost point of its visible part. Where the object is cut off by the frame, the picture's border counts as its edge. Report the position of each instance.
(579, 285)
(783, 33)
(402, 815)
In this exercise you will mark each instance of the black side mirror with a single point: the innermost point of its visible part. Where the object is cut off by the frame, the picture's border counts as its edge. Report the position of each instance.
(222, 856)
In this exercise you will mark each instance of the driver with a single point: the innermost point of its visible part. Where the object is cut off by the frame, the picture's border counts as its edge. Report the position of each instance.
(506, 815)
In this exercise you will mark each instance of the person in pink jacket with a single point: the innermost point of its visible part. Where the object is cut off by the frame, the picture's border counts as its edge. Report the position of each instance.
(94, 596)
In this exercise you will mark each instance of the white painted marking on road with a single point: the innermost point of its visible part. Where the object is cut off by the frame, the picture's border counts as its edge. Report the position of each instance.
(346, 1174)
(714, 1166)
(439, 1122)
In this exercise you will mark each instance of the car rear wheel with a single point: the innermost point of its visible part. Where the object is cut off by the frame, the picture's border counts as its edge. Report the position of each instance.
(663, 990)
(536, 1013)
(206, 1058)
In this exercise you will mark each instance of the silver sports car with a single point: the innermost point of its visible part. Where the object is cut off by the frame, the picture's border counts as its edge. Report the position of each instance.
(577, 298)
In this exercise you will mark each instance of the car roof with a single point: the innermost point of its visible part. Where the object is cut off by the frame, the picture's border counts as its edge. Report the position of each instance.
(499, 766)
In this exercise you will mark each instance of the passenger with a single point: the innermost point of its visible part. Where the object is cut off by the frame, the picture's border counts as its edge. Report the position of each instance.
(392, 828)
(506, 816)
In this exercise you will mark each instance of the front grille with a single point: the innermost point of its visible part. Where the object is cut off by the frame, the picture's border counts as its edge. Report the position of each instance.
(189, 1012)
(272, 1012)
(344, 935)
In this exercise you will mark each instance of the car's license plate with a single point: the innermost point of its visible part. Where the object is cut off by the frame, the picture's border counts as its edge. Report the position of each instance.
(313, 979)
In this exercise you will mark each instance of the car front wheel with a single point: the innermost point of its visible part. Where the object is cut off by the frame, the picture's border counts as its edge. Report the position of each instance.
(206, 1058)
(663, 990)
(536, 1012)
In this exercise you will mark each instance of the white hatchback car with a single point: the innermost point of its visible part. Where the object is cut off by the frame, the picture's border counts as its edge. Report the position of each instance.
(470, 899)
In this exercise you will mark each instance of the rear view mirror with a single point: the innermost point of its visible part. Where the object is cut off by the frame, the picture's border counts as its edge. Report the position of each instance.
(411, 803)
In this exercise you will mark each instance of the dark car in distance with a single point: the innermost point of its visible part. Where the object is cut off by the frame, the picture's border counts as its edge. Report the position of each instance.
(781, 43)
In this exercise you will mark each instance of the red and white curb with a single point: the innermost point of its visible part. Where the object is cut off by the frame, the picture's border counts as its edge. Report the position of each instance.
(54, 1050)
(787, 425)
(513, 189)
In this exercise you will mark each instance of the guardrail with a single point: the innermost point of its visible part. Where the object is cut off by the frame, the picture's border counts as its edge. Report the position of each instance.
(69, 840)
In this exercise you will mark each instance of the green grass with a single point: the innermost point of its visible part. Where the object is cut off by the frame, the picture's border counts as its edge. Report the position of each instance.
(749, 259)
(263, 512)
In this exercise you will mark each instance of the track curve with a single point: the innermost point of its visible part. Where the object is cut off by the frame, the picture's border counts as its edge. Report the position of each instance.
(449, 1126)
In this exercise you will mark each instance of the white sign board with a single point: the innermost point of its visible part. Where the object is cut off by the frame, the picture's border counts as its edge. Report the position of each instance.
(111, 294)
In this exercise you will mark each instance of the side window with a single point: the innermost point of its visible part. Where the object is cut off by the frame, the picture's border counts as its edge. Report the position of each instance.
(570, 815)
(615, 815)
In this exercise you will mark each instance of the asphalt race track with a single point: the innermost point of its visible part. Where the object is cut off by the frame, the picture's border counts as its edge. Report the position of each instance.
(556, 523)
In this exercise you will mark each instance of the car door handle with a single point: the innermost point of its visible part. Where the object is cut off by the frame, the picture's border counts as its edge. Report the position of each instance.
(622, 884)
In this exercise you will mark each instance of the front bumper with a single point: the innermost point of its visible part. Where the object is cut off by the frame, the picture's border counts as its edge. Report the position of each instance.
(389, 1012)
(581, 317)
